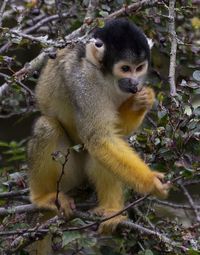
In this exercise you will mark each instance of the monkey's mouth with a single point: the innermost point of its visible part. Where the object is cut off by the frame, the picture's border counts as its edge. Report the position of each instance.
(128, 85)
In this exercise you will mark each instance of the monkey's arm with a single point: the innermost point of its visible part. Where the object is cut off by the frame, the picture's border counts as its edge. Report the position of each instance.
(133, 110)
(99, 135)
(115, 154)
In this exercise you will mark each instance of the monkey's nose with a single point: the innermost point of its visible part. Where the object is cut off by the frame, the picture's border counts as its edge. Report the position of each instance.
(134, 82)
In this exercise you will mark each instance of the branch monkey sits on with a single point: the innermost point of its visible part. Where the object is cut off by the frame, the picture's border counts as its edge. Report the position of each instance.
(93, 94)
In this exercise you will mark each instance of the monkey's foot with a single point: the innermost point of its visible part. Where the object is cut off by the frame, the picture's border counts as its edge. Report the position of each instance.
(62, 204)
(108, 226)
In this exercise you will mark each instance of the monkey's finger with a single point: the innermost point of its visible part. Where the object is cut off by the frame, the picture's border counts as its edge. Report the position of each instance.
(72, 204)
(161, 190)
(159, 175)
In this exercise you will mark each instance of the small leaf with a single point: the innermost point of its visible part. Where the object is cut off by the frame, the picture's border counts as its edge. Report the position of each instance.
(162, 114)
(59, 157)
(197, 111)
(3, 144)
(160, 97)
(103, 13)
(148, 252)
(183, 83)
(69, 237)
(157, 141)
(197, 91)
(193, 252)
(196, 75)
(100, 23)
(193, 85)
(195, 22)
(105, 7)
(78, 147)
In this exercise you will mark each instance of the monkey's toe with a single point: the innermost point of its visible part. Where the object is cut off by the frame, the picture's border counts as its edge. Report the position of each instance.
(61, 204)
(109, 226)
(65, 205)
(98, 211)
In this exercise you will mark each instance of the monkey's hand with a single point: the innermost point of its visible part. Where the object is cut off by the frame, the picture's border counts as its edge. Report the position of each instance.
(133, 110)
(160, 189)
(143, 100)
(61, 204)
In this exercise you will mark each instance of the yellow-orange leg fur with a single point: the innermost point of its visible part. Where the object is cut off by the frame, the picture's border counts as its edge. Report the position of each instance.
(110, 195)
(44, 171)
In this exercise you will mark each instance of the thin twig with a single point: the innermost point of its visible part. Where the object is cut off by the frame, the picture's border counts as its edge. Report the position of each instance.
(172, 32)
(3, 89)
(27, 236)
(90, 15)
(143, 216)
(190, 200)
(34, 65)
(14, 193)
(43, 22)
(84, 28)
(43, 40)
(10, 80)
(18, 209)
(96, 223)
(3, 6)
(133, 8)
(27, 208)
(173, 205)
(57, 203)
(146, 231)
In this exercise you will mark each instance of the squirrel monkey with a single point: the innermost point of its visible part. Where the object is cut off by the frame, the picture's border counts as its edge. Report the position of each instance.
(93, 94)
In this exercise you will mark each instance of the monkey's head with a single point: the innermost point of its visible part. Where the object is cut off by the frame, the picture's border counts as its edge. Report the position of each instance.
(121, 49)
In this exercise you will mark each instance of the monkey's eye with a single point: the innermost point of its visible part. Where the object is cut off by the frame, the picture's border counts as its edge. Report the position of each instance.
(126, 69)
(139, 68)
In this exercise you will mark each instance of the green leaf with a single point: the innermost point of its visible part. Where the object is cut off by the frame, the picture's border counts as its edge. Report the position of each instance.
(148, 252)
(193, 252)
(4, 144)
(103, 13)
(197, 111)
(101, 23)
(162, 114)
(88, 242)
(78, 147)
(197, 91)
(16, 158)
(23, 252)
(13, 144)
(106, 250)
(69, 237)
(196, 75)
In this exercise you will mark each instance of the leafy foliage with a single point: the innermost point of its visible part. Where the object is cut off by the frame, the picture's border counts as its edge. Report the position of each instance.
(168, 141)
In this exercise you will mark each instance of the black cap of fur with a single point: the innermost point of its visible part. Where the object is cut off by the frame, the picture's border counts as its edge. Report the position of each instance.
(122, 37)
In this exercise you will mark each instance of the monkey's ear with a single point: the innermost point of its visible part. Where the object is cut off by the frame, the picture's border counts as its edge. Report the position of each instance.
(95, 51)
(150, 42)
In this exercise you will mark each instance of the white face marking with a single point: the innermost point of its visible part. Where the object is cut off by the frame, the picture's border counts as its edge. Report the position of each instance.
(134, 72)
(124, 69)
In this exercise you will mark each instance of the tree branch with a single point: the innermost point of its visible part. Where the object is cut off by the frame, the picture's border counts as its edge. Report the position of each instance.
(3, 6)
(14, 193)
(90, 15)
(191, 202)
(172, 32)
